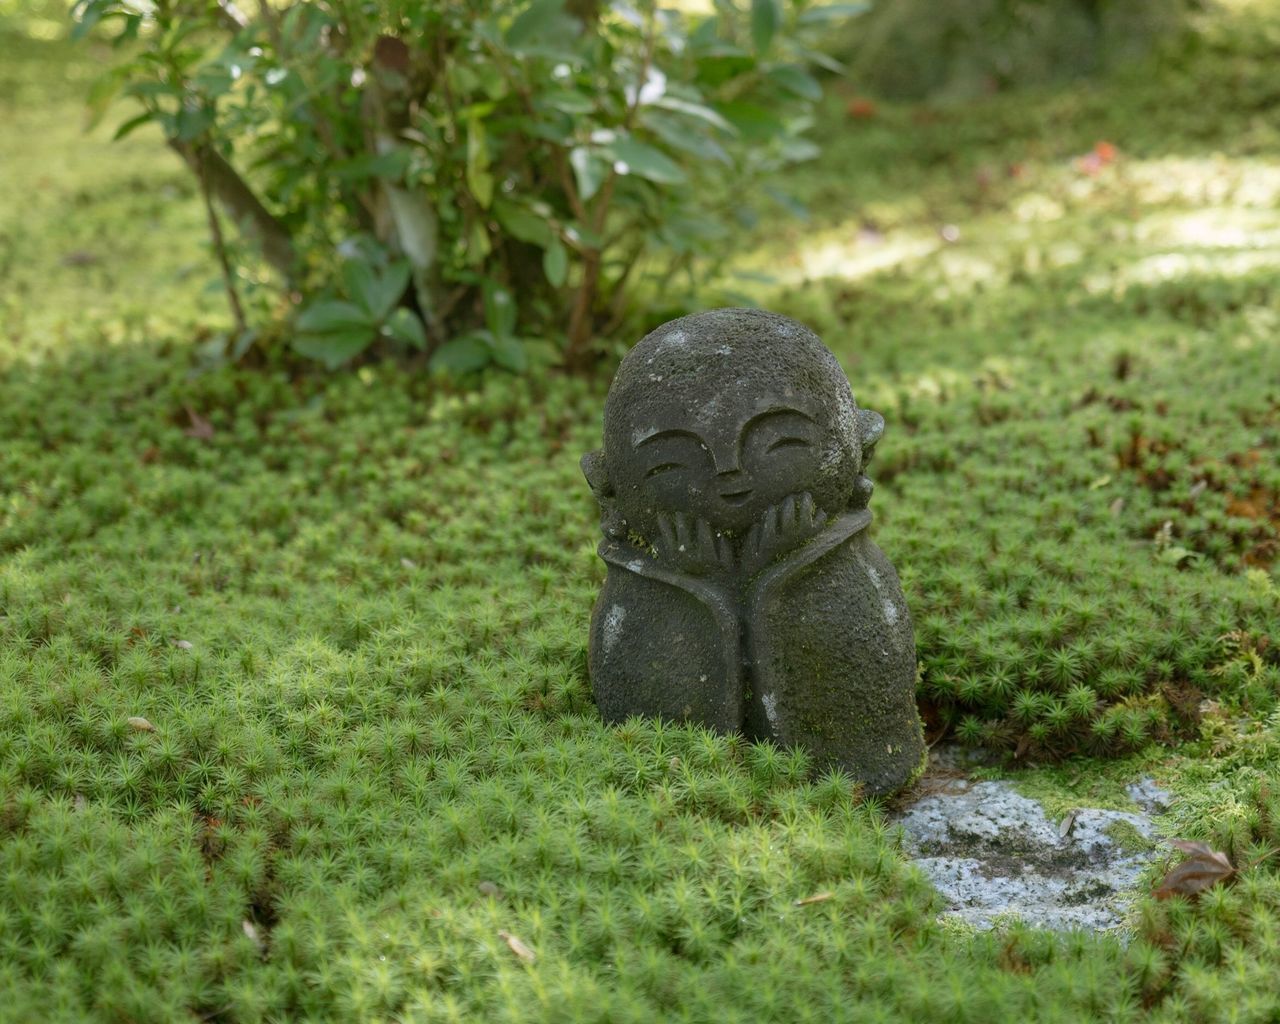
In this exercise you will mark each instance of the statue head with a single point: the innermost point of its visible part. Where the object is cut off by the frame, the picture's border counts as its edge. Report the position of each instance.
(724, 414)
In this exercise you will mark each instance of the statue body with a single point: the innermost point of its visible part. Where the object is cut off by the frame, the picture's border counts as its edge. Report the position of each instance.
(743, 591)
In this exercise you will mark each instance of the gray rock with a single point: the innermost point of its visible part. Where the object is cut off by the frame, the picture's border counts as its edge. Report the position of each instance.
(743, 591)
(993, 853)
(1149, 796)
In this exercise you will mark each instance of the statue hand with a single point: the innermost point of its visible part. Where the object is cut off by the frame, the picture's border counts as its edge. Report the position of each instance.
(782, 528)
(691, 546)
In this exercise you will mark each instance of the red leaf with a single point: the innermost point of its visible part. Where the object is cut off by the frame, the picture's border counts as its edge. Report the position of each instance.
(1205, 868)
(860, 108)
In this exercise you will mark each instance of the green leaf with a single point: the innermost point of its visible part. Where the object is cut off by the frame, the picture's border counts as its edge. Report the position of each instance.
(335, 347)
(647, 162)
(695, 110)
(798, 150)
(567, 101)
(104, 89)
(555, 263)
(478, 244)
(797, 81)
(522, 223)
(406, 328)
(391, 164)
(678, 134)
(756, 123)
(378, 294)
(332, 315)
(822, 60)
(788, 202)
(499, 310)
(509, 353)
(192, 124)
(130, 125)
(479, 180)
(151, 90)
(831, 12)
(89, 16)
(464, 354)
(588, 169)
(766, 16)
(535, 22)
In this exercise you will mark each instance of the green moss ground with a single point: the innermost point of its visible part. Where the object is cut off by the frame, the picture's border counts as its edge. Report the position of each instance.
(294, 719)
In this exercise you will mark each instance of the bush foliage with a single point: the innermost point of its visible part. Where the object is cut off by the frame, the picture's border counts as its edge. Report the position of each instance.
(458, 177)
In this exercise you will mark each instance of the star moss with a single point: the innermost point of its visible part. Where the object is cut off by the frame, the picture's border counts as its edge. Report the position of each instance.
(295, 722)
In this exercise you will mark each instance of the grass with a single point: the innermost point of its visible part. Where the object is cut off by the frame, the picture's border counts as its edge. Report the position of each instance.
(294, 716)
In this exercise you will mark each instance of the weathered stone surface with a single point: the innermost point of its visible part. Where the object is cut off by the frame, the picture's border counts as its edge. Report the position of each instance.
(993, 853)
(1150, 797)
(743, 592)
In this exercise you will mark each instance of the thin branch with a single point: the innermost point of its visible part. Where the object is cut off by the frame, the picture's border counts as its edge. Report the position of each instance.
(220, 248)
(240, 201)
(588, 287)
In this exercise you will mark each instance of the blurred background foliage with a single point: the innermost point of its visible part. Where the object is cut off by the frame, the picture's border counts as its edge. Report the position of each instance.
(913, 49)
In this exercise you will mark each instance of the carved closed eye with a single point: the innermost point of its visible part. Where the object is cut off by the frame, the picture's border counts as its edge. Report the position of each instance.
(663, 468)
(788, 442)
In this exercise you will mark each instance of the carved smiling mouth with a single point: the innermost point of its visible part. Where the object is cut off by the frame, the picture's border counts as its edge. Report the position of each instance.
(736, 497)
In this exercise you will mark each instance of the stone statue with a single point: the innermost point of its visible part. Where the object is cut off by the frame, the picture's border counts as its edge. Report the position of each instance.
(743, 592)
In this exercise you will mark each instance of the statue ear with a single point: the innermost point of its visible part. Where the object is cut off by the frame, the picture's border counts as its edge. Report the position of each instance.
(597, 474)
(596, 471)
(870, 430)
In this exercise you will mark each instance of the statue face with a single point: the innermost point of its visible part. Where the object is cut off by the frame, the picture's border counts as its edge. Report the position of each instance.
(726, 469)
(722, 416)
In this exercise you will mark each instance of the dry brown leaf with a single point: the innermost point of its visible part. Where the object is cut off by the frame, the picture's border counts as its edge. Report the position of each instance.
(1203, 869)
(141, 724)
(201, 429)
(518, 948)
(820, 897)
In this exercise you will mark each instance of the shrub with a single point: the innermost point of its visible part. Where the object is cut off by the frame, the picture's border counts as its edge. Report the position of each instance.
(456, 177)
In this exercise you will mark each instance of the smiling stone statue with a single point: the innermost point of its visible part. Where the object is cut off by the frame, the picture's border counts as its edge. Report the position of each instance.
(743, 592)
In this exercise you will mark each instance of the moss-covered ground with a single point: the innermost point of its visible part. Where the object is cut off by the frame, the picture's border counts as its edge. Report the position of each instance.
(294, 715)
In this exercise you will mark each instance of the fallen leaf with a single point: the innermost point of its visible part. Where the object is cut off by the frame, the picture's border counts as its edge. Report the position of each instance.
(820, 897)
(861, 108)
(408, 563)
(1068, 823)
(183, 645)
(200, 428)
(251, 931)
(1203, 869)
(519, 948)
(141, 724)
